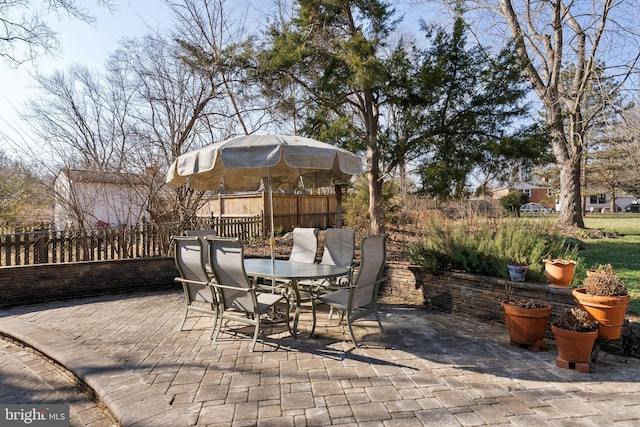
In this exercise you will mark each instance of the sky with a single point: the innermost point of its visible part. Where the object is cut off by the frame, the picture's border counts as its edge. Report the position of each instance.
(81, 43)
(90, 45)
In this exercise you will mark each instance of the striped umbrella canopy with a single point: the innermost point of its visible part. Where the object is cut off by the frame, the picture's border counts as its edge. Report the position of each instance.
(245, 163)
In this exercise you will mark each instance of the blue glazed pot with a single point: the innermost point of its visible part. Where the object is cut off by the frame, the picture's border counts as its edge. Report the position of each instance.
(517, 272)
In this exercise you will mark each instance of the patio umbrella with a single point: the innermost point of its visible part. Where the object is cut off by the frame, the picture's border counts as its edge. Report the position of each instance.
(246, 162)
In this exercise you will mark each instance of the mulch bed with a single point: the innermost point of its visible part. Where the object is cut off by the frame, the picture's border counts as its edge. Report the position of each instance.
(396, 245)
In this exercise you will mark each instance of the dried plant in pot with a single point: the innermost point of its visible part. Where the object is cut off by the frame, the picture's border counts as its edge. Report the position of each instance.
(575, 336)
(604, 297)
(526, 321)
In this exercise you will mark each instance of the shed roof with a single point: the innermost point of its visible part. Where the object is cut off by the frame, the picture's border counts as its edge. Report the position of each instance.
(103, 177)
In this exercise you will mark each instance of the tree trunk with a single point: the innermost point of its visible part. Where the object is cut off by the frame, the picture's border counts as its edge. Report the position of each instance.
(376, 213)
(338, 190)
(569, 157)
(570, 199)
(612, 202)
(375, 193)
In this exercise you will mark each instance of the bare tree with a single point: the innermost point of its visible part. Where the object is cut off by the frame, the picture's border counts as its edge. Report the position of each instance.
(218, 44)
(80, 119)
(147, 106)
(176, 108)
(156, 98)
(628, 135)
(551, 35)
(24, 31)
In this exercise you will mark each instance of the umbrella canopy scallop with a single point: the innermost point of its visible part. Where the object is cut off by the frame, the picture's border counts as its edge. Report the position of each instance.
(244, 163)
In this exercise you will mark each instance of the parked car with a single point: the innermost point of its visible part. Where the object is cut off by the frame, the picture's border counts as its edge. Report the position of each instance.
(533, 208)
(633, 207)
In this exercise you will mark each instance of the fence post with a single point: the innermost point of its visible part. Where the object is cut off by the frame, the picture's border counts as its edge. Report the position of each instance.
(40, 249)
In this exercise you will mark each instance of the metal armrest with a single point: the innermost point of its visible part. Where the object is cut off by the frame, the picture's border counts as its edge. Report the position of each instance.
(193, 282)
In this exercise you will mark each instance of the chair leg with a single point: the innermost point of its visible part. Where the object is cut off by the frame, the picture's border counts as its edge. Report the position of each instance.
(379, 322)
(288, 304)
(184, 319)
(353, 337)
(294, 302)
(332, 310)
(216, 315)
(255, 334)
(218, 327)
(313, 317)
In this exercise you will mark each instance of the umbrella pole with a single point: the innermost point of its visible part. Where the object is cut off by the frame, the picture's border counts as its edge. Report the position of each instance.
(272, 239)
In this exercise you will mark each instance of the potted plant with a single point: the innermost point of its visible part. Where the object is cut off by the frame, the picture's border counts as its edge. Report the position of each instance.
(559, 271)
(526, 321)
(575, 335)
(518, 269)
(604, 297)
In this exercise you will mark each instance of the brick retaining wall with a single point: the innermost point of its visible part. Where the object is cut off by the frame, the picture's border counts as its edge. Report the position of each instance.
(465, 295)
(32, 284)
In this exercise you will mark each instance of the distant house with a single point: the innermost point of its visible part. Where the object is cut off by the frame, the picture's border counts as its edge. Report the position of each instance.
(600, 200)
(536, 189)
(94, 199)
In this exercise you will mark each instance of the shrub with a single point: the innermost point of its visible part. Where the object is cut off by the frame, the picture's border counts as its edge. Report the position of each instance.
(512, 202)
(356, 205)
(486, 246)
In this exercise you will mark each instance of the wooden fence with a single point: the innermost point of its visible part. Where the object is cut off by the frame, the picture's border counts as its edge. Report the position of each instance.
(140, 241)
(289, 210)
(246, 217)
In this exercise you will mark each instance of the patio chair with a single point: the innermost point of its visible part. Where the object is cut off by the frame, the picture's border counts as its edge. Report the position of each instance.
(198, 294)
(305, 248)
(339, 249)
(202, 234)
(239, 299)
(305, 245)
(360, 298)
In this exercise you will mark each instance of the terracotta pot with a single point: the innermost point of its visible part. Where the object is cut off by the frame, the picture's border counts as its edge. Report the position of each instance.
(574, 347)
(559, 273)
(608, 311)
(526, 326)
(517, 273)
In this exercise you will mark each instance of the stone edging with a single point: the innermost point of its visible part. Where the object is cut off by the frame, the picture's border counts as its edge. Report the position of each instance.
(123, 393)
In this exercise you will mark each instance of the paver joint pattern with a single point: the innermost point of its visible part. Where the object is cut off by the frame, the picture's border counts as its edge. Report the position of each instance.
(428, 368)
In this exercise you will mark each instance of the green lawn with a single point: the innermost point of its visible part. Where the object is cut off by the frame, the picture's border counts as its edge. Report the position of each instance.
(623, 252)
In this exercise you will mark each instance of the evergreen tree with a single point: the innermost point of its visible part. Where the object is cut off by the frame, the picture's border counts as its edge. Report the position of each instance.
(333, 52)
(476, 106)
(450, 108)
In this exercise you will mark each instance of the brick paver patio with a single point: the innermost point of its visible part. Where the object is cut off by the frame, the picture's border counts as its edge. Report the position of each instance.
(428, 368)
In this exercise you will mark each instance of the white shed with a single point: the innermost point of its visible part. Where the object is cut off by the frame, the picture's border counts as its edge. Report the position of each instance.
(91, 199)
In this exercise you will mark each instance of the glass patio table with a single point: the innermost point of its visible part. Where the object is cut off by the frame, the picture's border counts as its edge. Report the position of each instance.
(291, 272)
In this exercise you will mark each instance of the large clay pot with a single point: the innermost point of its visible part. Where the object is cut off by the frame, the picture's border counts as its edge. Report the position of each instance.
(608, 311)
(574, 348)
(526, 326)
(559, 273)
